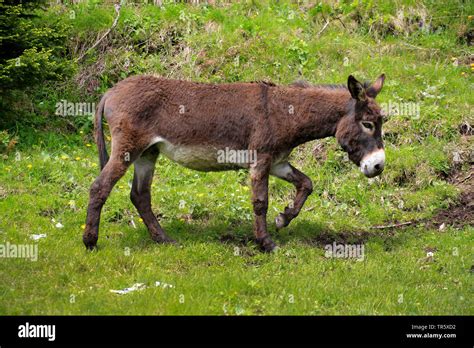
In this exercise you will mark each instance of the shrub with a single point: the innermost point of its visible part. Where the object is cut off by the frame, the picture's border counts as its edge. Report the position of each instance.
(32, 51)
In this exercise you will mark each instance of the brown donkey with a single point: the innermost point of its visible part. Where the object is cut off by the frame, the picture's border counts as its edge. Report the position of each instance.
(208, 126)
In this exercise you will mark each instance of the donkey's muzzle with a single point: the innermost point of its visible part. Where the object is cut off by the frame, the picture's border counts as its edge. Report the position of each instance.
(373, 163)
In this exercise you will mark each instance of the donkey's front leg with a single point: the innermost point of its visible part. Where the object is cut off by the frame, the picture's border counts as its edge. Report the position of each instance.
(303, 185)
(259, 173)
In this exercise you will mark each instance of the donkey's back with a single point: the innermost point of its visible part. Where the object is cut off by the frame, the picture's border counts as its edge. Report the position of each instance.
(186, 112)
(190, 123)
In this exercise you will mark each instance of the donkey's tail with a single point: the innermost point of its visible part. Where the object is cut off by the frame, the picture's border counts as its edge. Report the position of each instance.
(99, 134)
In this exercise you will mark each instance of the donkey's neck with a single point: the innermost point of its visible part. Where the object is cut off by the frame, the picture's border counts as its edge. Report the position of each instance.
(317, 112)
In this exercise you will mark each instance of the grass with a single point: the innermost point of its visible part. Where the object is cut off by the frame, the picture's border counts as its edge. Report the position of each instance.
(209, 273)
(214, 271)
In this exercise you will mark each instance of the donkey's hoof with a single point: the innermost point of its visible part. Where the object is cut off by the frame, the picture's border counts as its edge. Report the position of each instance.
(164, 240)
(169, 240)
(90, 246)
(281, 221)
(267, 245)
(90, 242)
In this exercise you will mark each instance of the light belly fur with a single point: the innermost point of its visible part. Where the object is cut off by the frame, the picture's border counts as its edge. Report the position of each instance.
(202, 158)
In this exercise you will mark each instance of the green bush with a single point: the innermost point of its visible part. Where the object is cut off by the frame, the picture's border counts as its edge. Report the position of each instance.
(32, 51)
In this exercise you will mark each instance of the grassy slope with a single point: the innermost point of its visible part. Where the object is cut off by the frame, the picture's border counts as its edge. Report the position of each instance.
(52, 178)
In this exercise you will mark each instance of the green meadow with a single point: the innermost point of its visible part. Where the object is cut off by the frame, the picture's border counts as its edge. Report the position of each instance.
(414, 221)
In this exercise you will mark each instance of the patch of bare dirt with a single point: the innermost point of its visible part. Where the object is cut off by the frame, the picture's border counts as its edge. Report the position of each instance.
(461, 213)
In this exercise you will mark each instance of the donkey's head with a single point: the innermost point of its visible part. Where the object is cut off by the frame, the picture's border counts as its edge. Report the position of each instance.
(359, 132)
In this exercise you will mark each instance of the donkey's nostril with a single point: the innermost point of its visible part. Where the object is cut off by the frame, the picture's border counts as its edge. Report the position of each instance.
(378, 168)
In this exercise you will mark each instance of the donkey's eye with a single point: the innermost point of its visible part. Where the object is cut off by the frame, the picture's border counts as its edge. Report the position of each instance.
(368, 125)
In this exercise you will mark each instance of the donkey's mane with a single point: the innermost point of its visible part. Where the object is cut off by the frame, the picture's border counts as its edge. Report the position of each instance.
(306, 84)
(264, 82)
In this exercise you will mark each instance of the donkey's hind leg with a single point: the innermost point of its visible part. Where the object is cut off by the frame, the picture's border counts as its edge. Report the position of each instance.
(303, 185)
(99, 191)
(141, 194)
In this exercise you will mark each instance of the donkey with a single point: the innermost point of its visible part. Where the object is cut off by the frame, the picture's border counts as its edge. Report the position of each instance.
(190, 123)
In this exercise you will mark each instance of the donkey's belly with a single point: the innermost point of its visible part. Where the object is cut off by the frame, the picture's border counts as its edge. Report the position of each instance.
(198, 157)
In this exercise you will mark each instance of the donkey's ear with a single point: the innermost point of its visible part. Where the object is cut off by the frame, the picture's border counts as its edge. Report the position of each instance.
(356, 88)
(376, 87)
